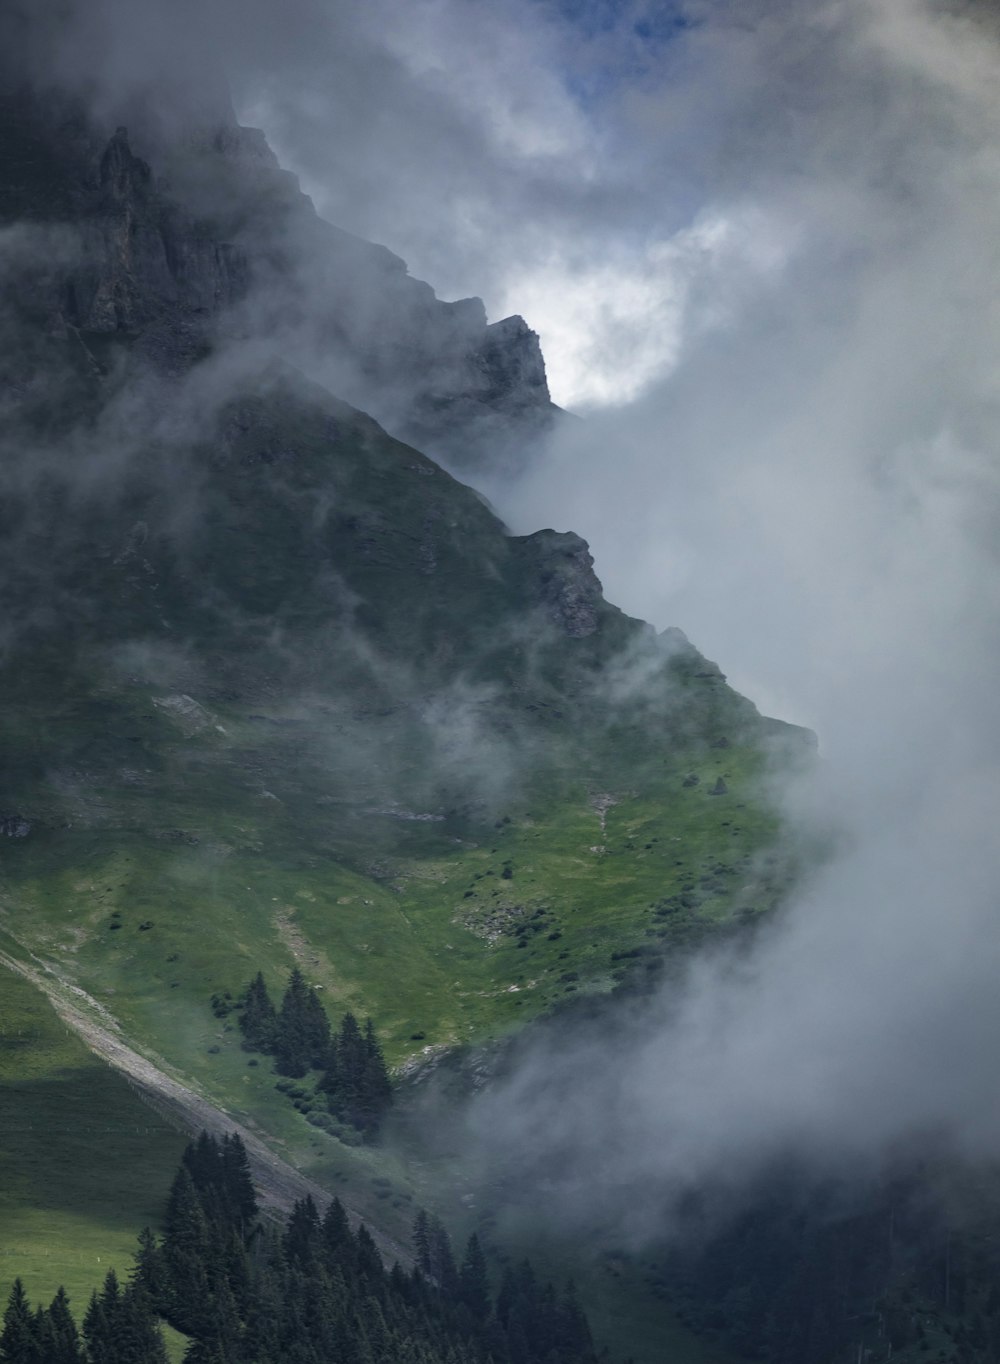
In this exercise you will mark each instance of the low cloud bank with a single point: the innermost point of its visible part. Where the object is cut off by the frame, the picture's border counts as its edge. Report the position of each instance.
(813, 493)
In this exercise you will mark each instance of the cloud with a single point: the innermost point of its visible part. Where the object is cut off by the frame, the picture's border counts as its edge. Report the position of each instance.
(767, 243)
(811, 489)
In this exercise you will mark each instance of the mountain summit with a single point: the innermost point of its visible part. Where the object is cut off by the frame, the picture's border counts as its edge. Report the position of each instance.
(203, 241)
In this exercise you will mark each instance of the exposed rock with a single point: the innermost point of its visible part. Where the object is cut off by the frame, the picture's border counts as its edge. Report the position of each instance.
(566, 582)
(204, 231)
(188, 714)
(512, 359)
(14, 826)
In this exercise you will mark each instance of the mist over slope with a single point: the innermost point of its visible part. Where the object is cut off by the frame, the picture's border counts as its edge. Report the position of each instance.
(814, 480)
(253, 635)
(266, 659)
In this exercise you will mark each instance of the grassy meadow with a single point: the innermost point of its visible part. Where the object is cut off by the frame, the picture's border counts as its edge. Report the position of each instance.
(85, 1163)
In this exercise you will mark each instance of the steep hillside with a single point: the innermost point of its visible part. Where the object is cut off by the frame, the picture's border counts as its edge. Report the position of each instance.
(214, 243)
(86, 1163)
(298, 673)
(279, 690)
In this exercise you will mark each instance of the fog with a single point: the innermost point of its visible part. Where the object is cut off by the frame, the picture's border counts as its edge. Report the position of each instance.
(764, 242)
(811, 491)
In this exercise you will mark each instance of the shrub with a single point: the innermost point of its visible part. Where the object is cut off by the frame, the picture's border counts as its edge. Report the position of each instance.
(324, 1121)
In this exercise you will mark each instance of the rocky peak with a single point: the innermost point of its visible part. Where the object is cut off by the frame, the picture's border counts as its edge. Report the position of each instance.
(562, 567)
(512, 358)
(205, 234)
(122, 175)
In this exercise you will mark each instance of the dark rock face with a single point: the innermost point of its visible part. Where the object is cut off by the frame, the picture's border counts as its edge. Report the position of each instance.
(204, 237)
(149, 270)
(103, 255)
(492, 407)
(512, 361)
(563, 568)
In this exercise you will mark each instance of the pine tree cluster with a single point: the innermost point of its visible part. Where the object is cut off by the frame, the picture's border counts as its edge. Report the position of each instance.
(119, 1327)
(354, 1080)
(528, 1322)
(314, 1292)
(906, 1268)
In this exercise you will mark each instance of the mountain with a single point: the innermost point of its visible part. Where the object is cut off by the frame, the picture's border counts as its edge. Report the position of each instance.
(280, 691)
(220, 246)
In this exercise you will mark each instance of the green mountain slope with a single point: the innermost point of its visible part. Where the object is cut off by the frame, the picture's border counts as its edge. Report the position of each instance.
(343, 719)
(278, 690)
(86, 1164)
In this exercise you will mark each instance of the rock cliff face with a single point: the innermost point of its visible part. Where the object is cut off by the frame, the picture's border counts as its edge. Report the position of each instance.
(97, 252)
(149, 271)
(169, 242)
(570, 590)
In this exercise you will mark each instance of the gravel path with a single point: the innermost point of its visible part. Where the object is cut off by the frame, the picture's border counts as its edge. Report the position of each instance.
(279, 1185)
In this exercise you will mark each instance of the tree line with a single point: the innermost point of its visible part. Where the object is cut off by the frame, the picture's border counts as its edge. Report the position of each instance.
(905, 1267)
(354, 1080)
(314, 1291)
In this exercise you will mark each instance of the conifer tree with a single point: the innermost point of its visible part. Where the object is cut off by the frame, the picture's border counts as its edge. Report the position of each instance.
(222, 1340)
(474, 1282)
(369, 1261)
(316, 1026)
(64, 1339)
(356, 1080)
(149, 1270)
(135, 1335)
(575, 1335)
(434, 1253)
(302, 1235)
(351, 1065)
(422, 1243)
(293, 1038)
(19, 1343)
(203, 1158)
(377, 1086)
(265, 1304)
(240, 1195)
(186, 1247)
(103, 1322)
(338, 1241)
(97, 1331)
(258, 1021)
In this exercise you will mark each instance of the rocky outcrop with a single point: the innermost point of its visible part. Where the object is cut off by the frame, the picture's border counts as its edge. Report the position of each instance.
(562, 569)
(101, 253)
(511, 359)
(174, 240)
(491, 407)
(148, 270)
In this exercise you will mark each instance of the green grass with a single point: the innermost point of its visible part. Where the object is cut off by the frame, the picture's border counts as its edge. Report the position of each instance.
(190, 897)
(393, 772)
(85, 1163)
(427, 943)
(159, 896)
